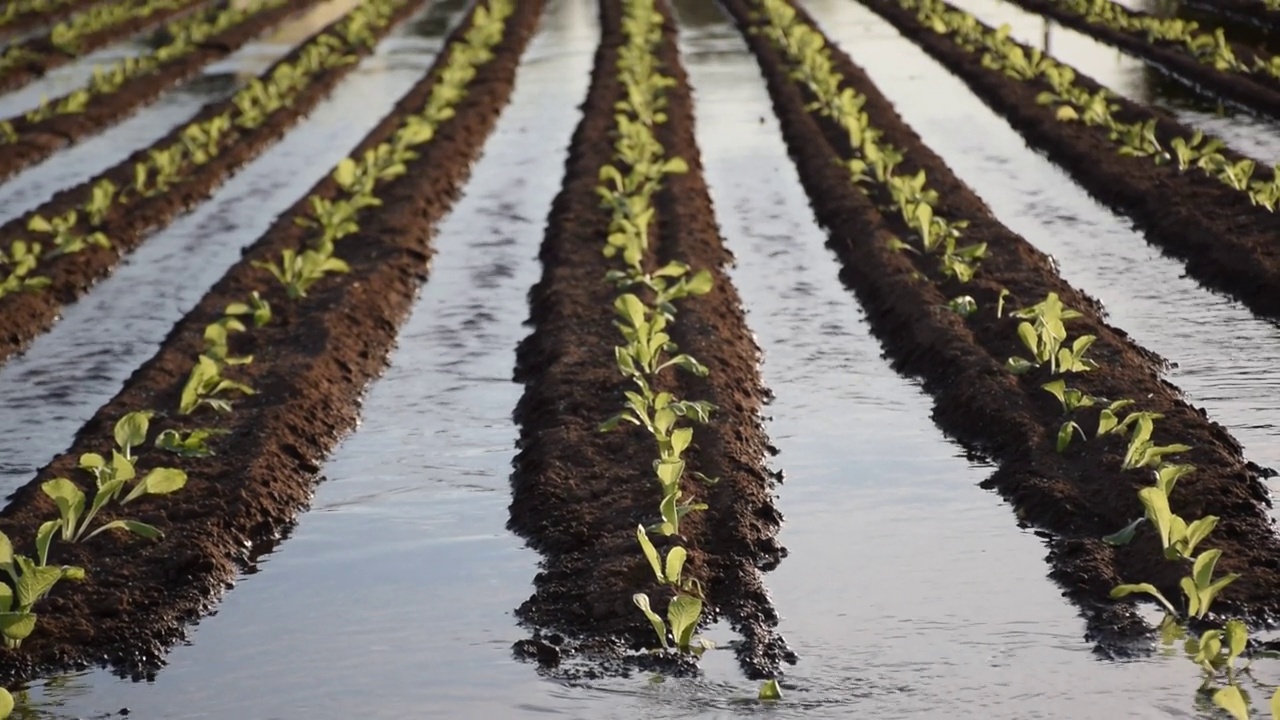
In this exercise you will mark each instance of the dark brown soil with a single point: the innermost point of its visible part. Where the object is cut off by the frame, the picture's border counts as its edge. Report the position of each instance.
(312, 364)
(46, 56)
(1227, 244)
(25, 315)
(1077, 496)
(1258, 91)
(41, 18)
(579, 494)
(38, 140)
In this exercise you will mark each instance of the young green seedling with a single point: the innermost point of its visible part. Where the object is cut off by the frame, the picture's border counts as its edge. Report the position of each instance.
(31, 581)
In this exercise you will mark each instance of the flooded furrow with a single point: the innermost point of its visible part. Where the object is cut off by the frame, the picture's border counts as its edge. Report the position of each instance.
(1126, 75)
(407, 539)
(1224, 355)
(68, 373)
(215, 82)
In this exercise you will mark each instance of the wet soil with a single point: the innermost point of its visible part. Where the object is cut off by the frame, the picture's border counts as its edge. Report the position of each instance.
(1077, 496)
(579, 494)
(38, 140)
(25, 315)
(1255, 91)
(45, 56)
(312, 364)
(1228, 245)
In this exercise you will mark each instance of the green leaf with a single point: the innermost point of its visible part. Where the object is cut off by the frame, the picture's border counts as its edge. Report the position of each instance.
(1237, 639)
(1158, 512)
(6, 704)
(122, 467)
(6, 551)
(770, 690)
(1198, 531)
(131, 430)
(682, 614)
(141, 529)
(680, 440)
(1124, 535)
(160, 481)
(1275, 705)
(642, 601)
(700, 283)
(1057, 388)
(1064, 435)
(44, 536)
(1202, 570)
(650, 552)
(669, 472)
(35, 583)
(1120, 591)
(1168, 475)
(676, 557)
(17, 626)
(69, 499)
(1232, 700)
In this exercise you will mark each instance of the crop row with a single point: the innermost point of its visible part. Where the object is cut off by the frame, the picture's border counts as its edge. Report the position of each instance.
(1262, 13)
(19, 15)
(630, 231)
(119, 89)
(53, 252)
(1204, 59)
(646, 308)
(248, 467)
(1225, 212)
(88, 30)
(1000, 378)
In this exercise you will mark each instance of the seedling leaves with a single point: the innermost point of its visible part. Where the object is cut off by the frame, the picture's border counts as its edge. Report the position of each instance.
(1232, 700)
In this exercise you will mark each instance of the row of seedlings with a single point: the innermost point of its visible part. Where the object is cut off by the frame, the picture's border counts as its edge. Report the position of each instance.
(120, 88)
(1233, 190)
(115, 476)
(1208, 47)
(117, 210)
(645, 307)
(1096, 108)
(84, 32)
(1043, 333)
(19, 15)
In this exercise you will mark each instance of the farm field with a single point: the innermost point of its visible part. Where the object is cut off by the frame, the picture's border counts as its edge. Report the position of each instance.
(893, 337)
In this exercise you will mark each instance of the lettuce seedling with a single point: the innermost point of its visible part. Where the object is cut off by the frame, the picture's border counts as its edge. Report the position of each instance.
(66, 239)
(257, 307)
(205, 384)
(299, 271)
(1141, 451)
(22, 259)
(683, 613)
(193, 444)
(31, 582)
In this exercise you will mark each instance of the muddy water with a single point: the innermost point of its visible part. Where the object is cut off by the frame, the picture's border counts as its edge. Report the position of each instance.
(1225, 356)
(215, 82)
(69, 372)
(1131, 78)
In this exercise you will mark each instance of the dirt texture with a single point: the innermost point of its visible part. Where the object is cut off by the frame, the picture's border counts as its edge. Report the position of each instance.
(1227, 244)
(1075, 497)
(45, 56)
(1255, 91)
(25, 315)
(38, 140)
(311, 365)
(578, 494)
(23, 22)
